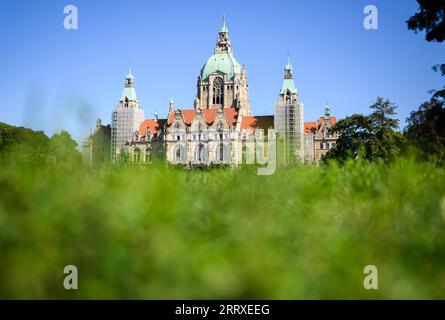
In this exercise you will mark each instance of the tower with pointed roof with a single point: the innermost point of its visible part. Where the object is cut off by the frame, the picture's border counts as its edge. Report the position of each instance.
(288, 118)
(126, 118)
(222, 82)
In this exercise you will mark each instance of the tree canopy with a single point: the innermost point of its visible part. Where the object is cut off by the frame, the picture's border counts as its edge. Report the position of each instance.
(19, 144)
(426, 129)
(371, 137)
(430, 18)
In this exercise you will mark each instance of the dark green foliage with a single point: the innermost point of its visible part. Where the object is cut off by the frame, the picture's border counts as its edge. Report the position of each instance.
(426, 129)
(439, 94)
(19, 145)
(431, 18)
(373, 137)
(63, 148)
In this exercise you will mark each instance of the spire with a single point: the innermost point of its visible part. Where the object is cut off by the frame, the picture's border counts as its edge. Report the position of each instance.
(129, 91)
(288, 60)
(327, 110)
(223, 43)
(172, 104)
(288, 83)
(224, 27)
(129, 69)
(288, 68)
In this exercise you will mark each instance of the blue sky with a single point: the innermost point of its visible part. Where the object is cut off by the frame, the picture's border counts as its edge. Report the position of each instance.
(57, 79)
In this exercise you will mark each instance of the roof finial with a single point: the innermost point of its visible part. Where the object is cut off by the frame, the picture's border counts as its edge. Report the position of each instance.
(327, 110)
(224, 20)
(288, 57)
(129, 68)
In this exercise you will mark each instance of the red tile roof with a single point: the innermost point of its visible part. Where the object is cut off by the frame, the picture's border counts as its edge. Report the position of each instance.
(209, 115)
(170, 117)
(231, 115)
(249, 123)
(150, 125)
(315, 125)
(188, 116)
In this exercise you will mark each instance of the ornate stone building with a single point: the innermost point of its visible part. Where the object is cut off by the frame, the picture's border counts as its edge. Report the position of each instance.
(317, 138)
(219, 129)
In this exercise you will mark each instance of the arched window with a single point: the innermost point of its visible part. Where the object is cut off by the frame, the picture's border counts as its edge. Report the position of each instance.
(137, 155)
(321, 145)
(221, 153)
(327, 145)
(178, 154)
(288, 97)
(147, 154)
(218, 91)
(199, 154)
(244, 154)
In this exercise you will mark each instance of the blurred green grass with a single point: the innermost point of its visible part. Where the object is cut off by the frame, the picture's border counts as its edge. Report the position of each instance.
(154, 232)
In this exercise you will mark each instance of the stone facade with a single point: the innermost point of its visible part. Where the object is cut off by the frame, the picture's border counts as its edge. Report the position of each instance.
(96, 148)
(318, 140)
(219, 129)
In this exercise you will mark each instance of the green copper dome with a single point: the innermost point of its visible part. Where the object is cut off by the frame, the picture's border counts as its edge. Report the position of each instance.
(288, 84)
(223, 62)
(129, 91)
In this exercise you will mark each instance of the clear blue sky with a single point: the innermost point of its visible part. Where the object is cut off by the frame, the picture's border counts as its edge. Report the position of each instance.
(56, 79)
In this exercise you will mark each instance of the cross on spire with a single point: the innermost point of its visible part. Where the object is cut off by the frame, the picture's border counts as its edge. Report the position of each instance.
(223, 42)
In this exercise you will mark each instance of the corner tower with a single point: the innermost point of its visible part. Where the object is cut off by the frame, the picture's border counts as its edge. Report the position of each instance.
(288, 119)
(126, 118)
(223, 80)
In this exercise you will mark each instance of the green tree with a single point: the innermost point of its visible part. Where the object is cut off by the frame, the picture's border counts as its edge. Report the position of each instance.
(426, 129)
(64, 148)
(372, 137)
(431, 18)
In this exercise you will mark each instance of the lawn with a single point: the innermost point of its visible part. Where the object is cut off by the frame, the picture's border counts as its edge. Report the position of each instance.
(152, 232)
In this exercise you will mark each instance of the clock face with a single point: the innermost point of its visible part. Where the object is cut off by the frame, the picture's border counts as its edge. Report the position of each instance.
(217, 83)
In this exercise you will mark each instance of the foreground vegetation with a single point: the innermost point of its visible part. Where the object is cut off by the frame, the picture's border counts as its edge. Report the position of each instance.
(156, 232)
